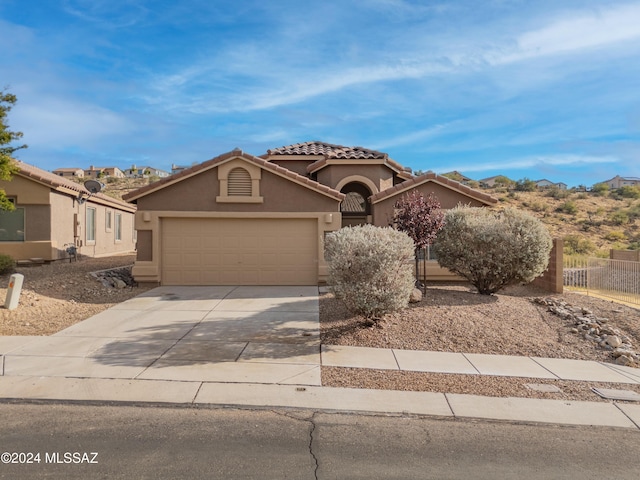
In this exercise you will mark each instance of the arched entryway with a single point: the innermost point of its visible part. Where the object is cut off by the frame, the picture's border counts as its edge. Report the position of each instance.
(355, 208)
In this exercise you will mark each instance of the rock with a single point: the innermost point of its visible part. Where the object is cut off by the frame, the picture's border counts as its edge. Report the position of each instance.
(614, 341)
(624, 360)
(119, 283)
(416, 296)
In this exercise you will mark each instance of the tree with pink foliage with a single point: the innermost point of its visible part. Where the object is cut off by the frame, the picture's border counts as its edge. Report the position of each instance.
(419, 217)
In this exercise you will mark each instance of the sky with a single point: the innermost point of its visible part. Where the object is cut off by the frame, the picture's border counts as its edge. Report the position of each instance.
(527, 89)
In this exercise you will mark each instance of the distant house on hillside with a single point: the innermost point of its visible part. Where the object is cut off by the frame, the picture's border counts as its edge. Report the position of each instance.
(142, 172)
(618, 181)
(458, 177)
(100, 172)
(544, 183)
(69, 172)
(491, 181)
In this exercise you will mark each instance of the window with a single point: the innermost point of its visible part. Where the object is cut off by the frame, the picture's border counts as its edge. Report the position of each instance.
(91, 224)
(12, 224)
(239, 183)
(107, 223)
(118, 234)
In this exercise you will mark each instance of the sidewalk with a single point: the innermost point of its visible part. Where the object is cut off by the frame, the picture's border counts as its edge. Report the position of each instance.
(260, 347)
(264, 395)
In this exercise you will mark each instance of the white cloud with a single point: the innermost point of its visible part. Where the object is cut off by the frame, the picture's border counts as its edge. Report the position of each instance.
(63, 123)
(538, 161)
(578, 32)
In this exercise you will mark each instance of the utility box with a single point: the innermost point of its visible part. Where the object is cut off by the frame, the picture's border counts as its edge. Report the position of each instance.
(13, 292)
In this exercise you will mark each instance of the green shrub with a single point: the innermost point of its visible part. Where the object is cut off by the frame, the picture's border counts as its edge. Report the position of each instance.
(557, 193)
(627, 191)
(600, 189)
(7, 264)
(620, 217)
(569, 207)
(615, 236)
(370, 269)
(526, 185)
(576, 245)
(493, 249)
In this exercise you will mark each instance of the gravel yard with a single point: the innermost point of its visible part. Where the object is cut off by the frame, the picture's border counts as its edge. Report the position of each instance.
(451, 318)
(60, 294)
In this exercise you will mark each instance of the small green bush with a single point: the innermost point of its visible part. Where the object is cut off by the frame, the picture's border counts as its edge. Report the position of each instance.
(493, 249)
(615, 236)
(620, 217)
(370, 269)
(600, 189)
(576, 245)
(568, 207)
(627, 191)
(557, 193)
(7, 264)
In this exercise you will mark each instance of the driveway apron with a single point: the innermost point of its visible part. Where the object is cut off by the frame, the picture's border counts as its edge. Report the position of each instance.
(211, 334)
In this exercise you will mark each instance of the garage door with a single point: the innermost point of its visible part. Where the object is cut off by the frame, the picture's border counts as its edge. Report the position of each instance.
(239, 252)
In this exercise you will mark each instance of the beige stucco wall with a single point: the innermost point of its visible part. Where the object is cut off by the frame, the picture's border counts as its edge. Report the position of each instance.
(380, 175)
(198, 193)
(195, 197)
(49, 217)
(105, 240)
(382, 211)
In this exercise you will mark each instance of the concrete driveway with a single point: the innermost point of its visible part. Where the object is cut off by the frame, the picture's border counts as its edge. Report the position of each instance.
(210, 334)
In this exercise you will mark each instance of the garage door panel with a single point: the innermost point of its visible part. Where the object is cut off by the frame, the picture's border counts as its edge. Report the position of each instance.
(239, 252)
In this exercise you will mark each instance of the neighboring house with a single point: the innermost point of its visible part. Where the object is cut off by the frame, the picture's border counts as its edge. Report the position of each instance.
(48, 217)
(458, 177)
(103, 172)
(177, 168)
(241, 219)
(142, 172)
(544, 183)
(618, 181)
(69, 172)
(490, 182)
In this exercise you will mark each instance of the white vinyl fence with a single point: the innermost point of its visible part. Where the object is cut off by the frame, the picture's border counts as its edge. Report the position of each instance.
(616, 279)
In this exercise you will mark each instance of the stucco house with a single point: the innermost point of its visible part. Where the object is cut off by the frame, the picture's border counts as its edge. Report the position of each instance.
(242, 219)
(53, 212)
(69, 172)
(99, 172)
(618, 181)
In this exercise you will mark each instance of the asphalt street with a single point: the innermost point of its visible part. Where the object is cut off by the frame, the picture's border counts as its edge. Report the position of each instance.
(75, 441)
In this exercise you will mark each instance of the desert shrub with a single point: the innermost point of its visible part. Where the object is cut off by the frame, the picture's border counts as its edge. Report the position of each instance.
(576, 245)
(600, 189)
(7, 264)
(557, 193)
(569, 207)
(619, 217)
(626, 191)
(370, 269)
(538, 207)
(526, 185)
(615, 236)
(493, 249)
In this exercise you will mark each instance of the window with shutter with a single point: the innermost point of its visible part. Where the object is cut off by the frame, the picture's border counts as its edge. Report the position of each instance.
(239, 183)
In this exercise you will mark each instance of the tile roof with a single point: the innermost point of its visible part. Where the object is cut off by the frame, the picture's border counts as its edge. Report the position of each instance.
(57, 182)
(188, 172)
(327, 150)
(432, 177)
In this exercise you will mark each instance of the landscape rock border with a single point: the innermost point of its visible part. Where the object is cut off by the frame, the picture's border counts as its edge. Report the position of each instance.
(120, 277)
(595, 329)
